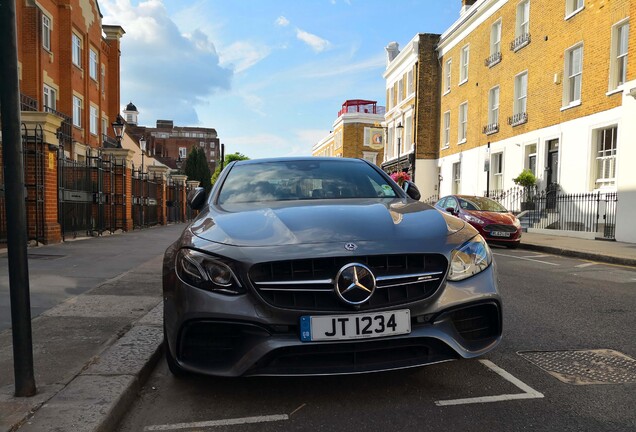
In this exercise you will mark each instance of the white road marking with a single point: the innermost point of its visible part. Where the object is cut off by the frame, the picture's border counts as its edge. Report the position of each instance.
(527, 259)
(214, 423)
(528, 392)
(586, 264)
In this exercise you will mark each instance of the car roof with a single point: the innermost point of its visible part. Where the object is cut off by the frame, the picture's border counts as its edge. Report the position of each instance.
(297, 158)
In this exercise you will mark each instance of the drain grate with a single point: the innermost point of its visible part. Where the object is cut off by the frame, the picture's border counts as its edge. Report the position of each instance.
(580, 367)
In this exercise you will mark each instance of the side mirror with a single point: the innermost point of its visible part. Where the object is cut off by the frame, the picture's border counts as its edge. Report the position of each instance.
(450, 210)
(412, 190)
(196, 198)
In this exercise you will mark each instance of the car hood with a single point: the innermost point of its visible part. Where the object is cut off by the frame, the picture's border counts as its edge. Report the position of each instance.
(494, 217)
(287, 223)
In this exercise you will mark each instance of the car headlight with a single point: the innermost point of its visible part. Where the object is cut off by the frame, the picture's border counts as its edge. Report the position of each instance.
(471, 258)
(474, 219)
(517, 223)
(206, 272)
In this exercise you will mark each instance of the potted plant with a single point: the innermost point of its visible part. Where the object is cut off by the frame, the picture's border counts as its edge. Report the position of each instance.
(527, 181)
(400, 177)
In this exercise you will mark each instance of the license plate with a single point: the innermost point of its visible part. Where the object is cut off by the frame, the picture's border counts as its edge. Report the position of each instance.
(358, 326)
(499, 234)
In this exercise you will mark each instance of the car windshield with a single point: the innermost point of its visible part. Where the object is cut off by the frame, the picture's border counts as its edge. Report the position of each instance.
(481, 204)
(303, 180)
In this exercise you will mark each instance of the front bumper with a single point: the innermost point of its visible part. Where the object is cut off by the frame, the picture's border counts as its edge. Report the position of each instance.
(215, 334)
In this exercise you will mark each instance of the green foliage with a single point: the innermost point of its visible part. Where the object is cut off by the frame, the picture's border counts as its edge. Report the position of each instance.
(196, 168)
(526, 179)
(228, 158)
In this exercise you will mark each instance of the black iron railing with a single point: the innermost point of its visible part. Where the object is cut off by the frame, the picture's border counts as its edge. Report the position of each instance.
(520, 42)
(491, 128)
(493, 59)
(518, 119)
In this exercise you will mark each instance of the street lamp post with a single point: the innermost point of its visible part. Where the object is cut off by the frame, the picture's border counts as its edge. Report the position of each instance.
(118, 128)
(399, 128)
(142, 146)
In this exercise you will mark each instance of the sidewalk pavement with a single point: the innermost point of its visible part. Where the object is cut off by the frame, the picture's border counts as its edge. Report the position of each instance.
(93, 351)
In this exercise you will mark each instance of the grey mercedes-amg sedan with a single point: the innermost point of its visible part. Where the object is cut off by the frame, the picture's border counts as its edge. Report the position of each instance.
(310, 266)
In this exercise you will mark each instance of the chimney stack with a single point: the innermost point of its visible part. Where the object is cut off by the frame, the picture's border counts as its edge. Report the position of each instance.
(392, 51)
(466, 4)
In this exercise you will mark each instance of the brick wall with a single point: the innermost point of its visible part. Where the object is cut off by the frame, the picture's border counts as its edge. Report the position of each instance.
(543, 58)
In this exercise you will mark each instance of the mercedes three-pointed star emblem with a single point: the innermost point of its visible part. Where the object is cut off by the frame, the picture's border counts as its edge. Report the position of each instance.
(354, 284)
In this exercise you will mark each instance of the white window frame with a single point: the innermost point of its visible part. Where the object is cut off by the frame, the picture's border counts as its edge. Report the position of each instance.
(446, 133)
(522, 24)
(493, 106)
(46, 31)
(463, 64)
(495, 37)
(92, 63)
(447, 75)
(497, 170)
(619, 54)
(76, 47)
(77, 111)
(605, 158)
(573, 77)
(456, 171)
(410, 87)
(528, 156)
(572, 7)
(93, 120)
(103, 78)
(400, 90)
(183, 152)
(521, 93)
(50, 97)
(462, 127)
(104, 126)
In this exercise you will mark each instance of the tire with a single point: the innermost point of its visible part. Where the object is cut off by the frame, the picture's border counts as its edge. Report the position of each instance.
(176, 370)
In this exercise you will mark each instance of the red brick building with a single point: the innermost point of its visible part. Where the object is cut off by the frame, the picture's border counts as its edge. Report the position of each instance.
(68, 68)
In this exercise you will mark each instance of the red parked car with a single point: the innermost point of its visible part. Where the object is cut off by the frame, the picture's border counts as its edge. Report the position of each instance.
(496, 224)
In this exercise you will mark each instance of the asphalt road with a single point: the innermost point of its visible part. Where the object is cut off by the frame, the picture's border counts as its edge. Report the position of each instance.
(560, 307)
(61, 271)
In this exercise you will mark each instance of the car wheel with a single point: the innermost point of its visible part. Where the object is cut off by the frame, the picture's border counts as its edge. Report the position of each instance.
(513, 245)
(176, 370)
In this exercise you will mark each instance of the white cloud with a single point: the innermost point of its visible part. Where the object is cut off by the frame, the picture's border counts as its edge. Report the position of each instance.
(243, 55)
(316, 43)
(282, 21)
(165, 73)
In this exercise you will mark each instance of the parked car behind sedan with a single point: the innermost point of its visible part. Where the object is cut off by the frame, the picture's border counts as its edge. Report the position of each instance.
(311, 266)
(493, 221)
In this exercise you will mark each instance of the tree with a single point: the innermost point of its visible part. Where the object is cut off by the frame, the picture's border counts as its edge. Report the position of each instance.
(196, 168)
(228, 158)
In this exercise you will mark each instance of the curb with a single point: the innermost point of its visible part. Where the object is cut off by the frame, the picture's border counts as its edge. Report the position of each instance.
(592, 256)
(97, 399)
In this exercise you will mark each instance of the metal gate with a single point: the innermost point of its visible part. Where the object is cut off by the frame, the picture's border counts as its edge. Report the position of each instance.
(33, 159)
(145, 199)
(174, 203)
(606, 214)
(88, 202)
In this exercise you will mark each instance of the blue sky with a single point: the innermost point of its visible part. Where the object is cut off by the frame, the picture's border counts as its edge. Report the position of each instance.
(268, 75)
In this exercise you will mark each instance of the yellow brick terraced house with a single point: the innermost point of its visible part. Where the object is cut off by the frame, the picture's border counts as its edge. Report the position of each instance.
(545, 85)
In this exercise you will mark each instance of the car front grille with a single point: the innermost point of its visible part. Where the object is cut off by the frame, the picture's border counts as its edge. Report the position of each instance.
(500, 227)
(309, 284)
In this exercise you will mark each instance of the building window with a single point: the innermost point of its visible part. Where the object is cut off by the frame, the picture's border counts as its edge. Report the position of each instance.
(410, 88)
(371, 157)
(104, 126)
(497, 171)
(400, 90)
(103, 84)
(446, 139)
(92, 65)
(574, 72)
(463, 122)
(618, 67)
(46, 32)
(183, 152)
(530, 162)
(463, 67)
(50, 98)
(391, 98)
(572, 7)
(495, 38)
(606, 157)
(457, 177)
(523, 18)
(447, 76)
(77, 50)
(77, 112)
(93, 120)
(520, 115)
(493, 106)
